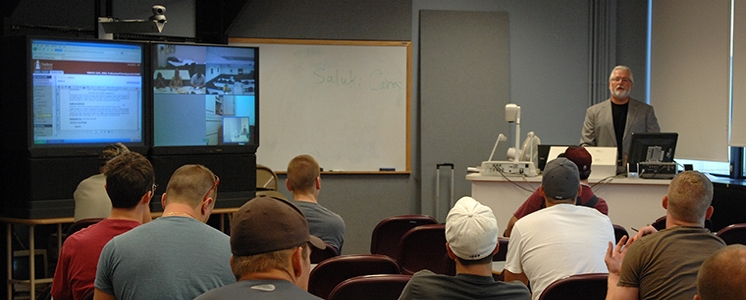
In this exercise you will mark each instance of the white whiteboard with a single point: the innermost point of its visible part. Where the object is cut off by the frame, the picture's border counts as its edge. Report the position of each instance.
(346, 103)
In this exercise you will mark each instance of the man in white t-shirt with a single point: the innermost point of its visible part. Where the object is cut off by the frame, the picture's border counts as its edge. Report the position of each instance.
(561, 240)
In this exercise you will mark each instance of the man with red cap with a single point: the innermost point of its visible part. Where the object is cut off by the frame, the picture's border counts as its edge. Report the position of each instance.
(583, 160)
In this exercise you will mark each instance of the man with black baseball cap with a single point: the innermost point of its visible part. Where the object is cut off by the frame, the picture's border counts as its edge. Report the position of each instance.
(271, 256)
(560, 240)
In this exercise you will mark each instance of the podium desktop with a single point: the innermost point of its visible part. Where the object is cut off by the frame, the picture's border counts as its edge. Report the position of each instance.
(632, 202)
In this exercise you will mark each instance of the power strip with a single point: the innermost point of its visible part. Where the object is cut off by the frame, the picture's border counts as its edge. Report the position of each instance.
(508, 168)
(657, 170)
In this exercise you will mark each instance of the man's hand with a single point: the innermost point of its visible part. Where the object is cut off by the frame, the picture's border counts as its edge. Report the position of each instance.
(643, 232)
(615, 255)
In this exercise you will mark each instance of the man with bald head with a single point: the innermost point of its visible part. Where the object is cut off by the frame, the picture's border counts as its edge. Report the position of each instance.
(722, 276)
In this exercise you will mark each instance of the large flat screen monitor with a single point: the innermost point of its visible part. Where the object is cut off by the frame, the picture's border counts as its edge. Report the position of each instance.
(204, 99)
(84, 94)
(652, 147)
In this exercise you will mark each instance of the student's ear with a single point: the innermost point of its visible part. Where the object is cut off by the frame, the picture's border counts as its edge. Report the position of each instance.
(450, 252)
(163, 200)
(709, 212)
(287, 185)
(665, 202)
(296, 260)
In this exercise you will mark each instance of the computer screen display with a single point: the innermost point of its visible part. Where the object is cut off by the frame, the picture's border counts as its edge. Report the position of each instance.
(85, 93)
(204, 98)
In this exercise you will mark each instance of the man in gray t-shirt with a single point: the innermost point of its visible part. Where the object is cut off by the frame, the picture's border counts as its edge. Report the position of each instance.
(176, 256)
(304, 181)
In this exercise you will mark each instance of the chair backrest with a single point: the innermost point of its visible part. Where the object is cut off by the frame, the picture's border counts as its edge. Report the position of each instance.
(388, 232)
(500, 256)
(327, 274)
(733, 234)
(266, 179)
(371, 287)
(318, 255)
(581, 286)
(619, 232)
(80, 224)
(423, 247)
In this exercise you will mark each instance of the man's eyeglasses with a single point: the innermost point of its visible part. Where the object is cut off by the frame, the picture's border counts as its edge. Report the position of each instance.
(618, 79)
(155, 186)
(214, 186)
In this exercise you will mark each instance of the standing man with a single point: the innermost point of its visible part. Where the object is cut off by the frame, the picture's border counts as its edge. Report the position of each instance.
(471, 241)
(176, 256)
(129, 184)
(612, 122)
(304, 181)
(664, 265)
(271, 257)
(560, 240)
(583, 160)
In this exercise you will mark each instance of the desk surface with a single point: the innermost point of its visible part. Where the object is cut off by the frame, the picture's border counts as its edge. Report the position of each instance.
(592, 181)
(65, 220)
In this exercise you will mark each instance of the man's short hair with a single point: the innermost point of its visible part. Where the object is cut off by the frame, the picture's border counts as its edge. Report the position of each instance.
(264, 262)
(625, 68)
(722, 276)
(190, 184)
(689, 196)
(302, 173)
(128, 177)
(111, 151)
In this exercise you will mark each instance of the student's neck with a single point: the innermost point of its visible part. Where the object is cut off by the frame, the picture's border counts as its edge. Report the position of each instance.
(273, 274)
(305, 197)
(479, 270)
(134, 214)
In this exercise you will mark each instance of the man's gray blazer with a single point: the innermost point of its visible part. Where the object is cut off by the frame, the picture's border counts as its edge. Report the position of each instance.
(598, 128)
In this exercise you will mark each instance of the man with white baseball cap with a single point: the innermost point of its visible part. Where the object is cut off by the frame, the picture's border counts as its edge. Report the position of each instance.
(560, 240)
(471, 241)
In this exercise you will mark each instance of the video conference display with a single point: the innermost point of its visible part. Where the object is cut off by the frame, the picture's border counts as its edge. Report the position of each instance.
(86, 92)
(204, 95)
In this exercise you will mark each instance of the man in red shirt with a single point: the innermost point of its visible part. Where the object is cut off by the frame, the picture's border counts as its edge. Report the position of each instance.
(582, 158)
(130, 186)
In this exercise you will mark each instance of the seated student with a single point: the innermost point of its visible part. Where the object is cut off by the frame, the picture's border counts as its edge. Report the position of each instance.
(129, 183)
(271, 254)
(582, 159)
(471, 235)
(722, 276)
(664, 265)
(176, 256)
(560, 240)
(304, 181)
(91, 199)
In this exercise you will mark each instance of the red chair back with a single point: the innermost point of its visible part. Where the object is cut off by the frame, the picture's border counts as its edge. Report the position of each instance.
(388, 232)
(733, 234)
(423, 247)
(591, 286)
(371, 287)
(327, 274)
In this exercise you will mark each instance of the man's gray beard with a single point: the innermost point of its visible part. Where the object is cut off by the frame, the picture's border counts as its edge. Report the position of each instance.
(620, 94)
